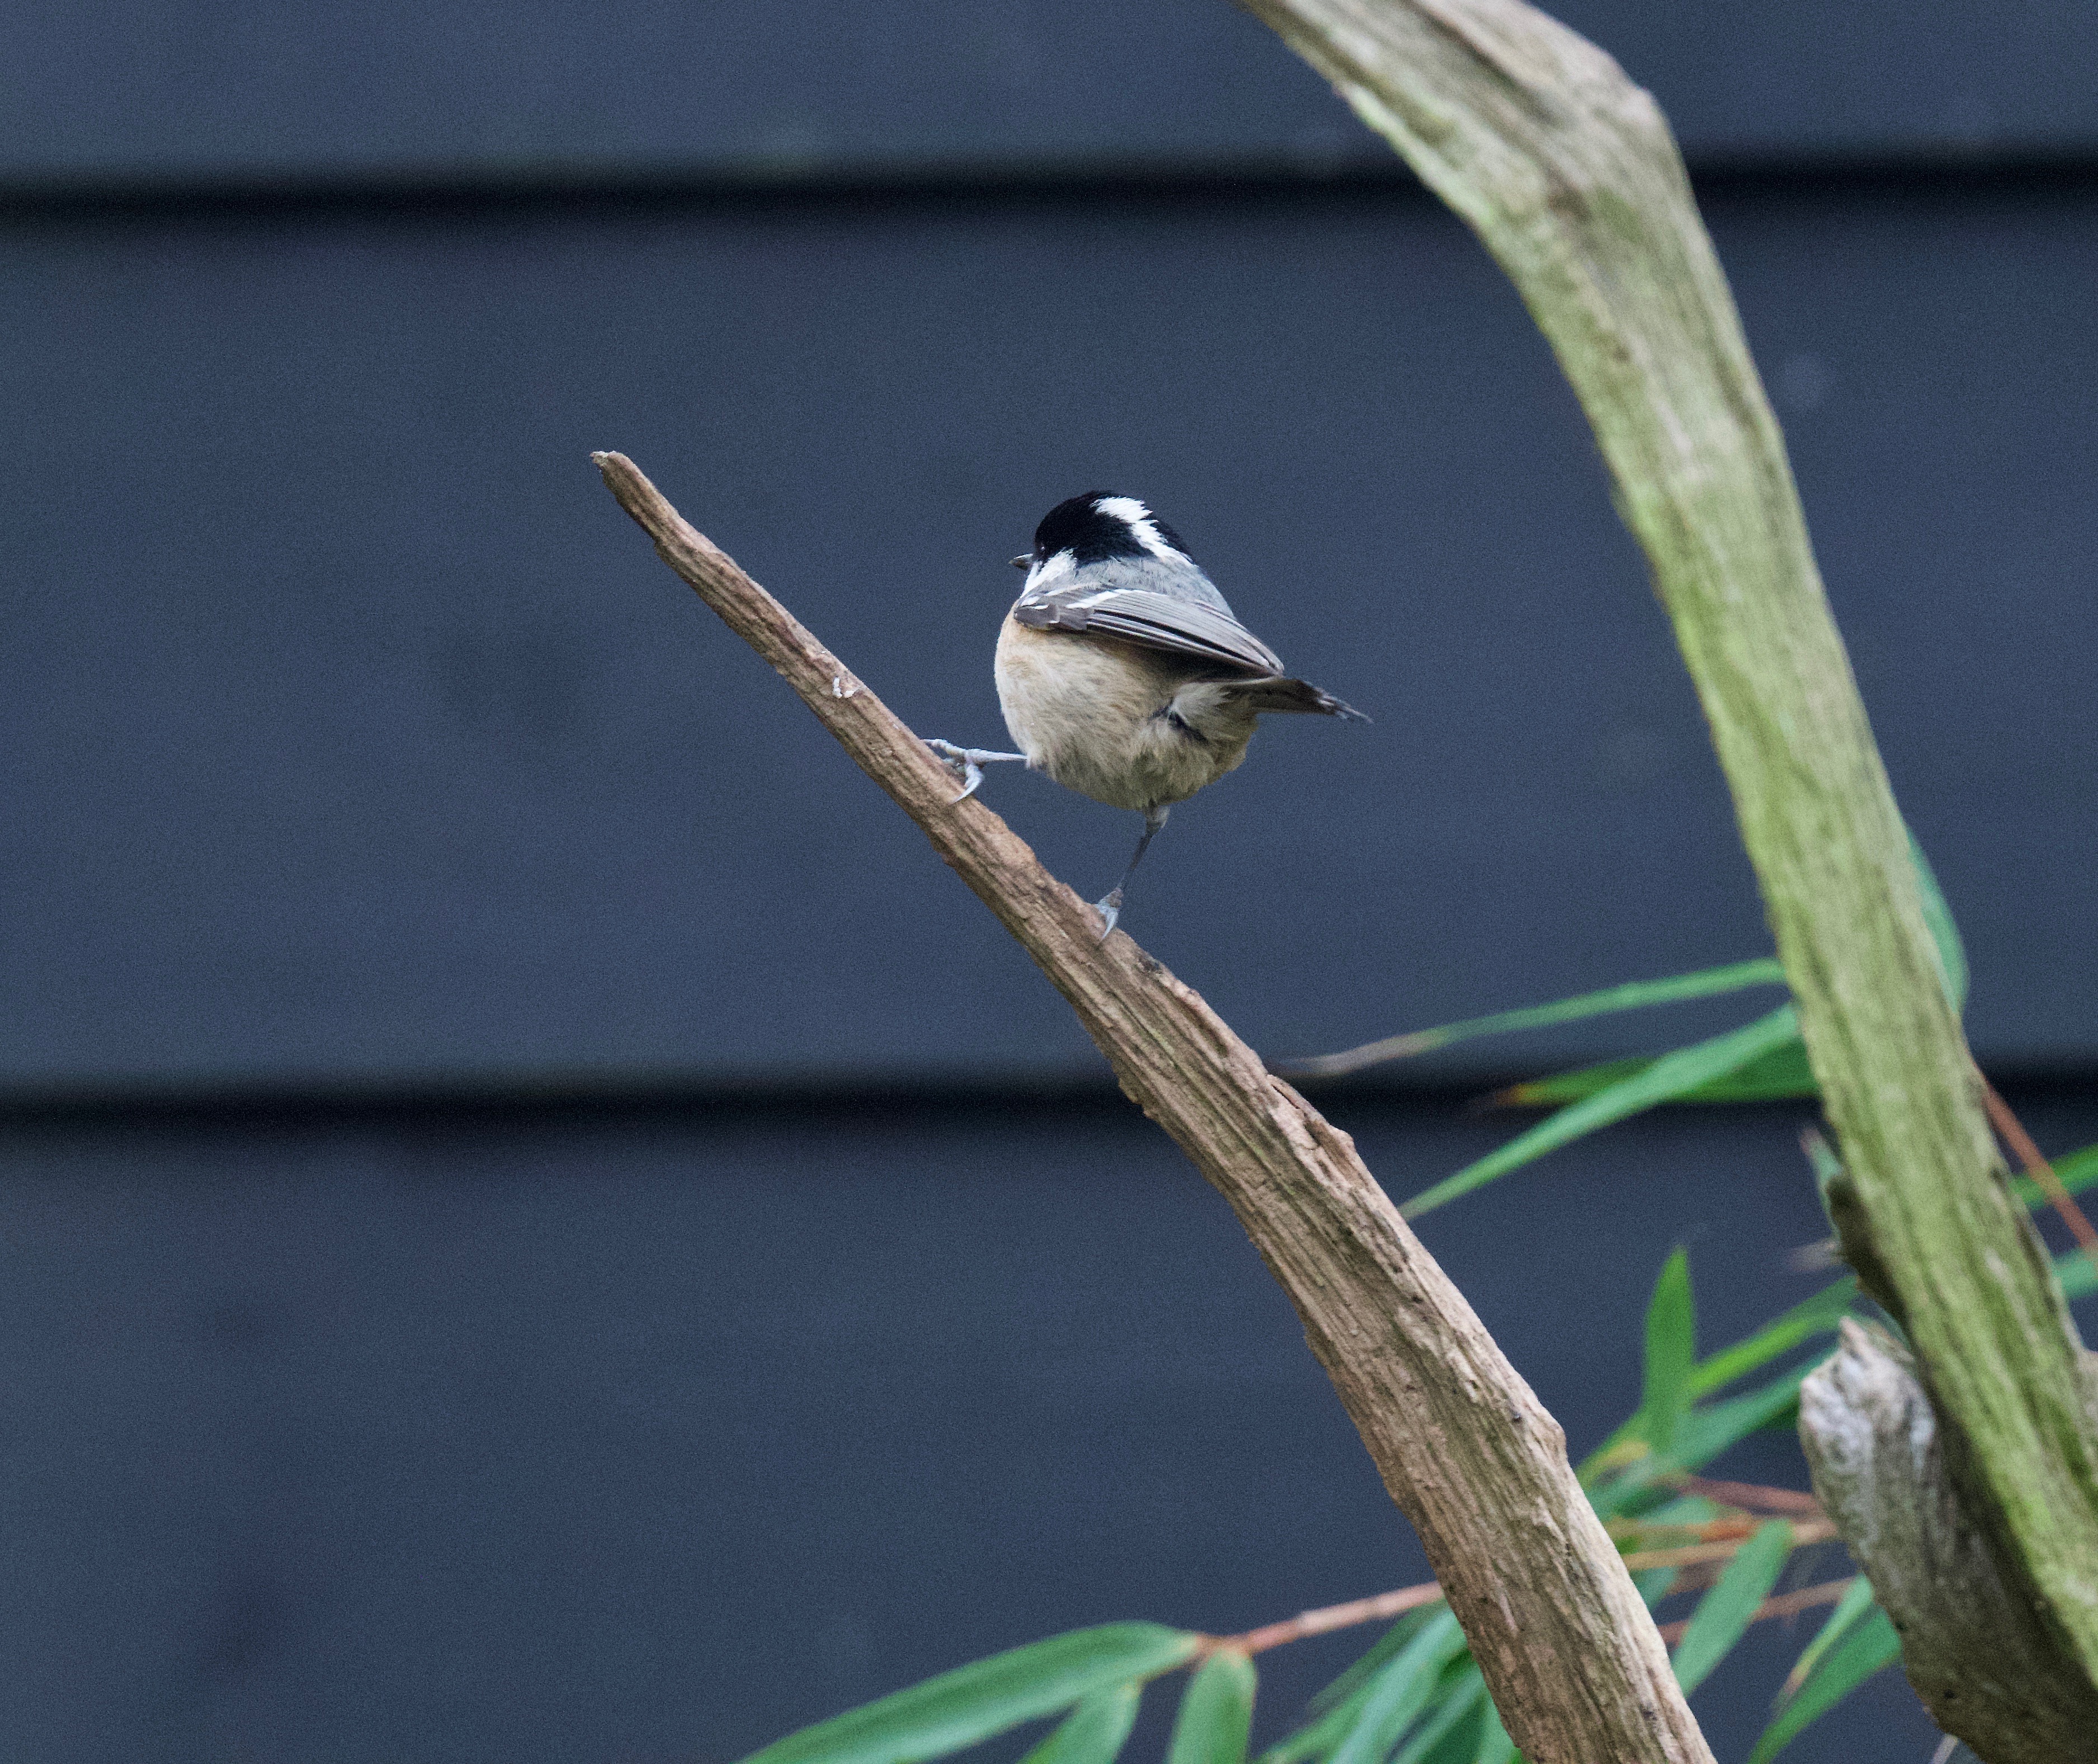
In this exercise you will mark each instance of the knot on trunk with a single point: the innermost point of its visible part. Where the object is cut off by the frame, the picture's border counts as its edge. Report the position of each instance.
(1976, 1643)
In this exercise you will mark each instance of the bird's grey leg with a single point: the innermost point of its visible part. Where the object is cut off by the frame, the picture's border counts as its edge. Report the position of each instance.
(1109, 908)
(969, 763)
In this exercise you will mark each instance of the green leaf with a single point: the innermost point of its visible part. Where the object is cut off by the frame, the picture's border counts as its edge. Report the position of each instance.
(1319, 1736)
(1387, 1645)
(1944, 934)
(1827, 1166)
(1871, 1647)
(1667, 1078)
(2078, 1278)
(1655, 1584)
(1336, 1707)
(1724, 1613)
(1458, 1695)
(1563, 1087)
(2076, 1172)
(1093, 1732)
(975, 1701)
(1637, 995)
(1216, 1712)
(1780, 1073)
(1700, 1435)
(1708, 1430)
(1400, 1692)
(1704, 1433)
(1494, 1745)
(1811, 1317)
(1671, 1351)
(1855, 1602)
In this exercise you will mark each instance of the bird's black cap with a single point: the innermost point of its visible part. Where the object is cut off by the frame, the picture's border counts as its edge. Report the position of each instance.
(1101, 525)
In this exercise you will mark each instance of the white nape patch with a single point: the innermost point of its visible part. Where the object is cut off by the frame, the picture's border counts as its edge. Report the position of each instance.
(1134, 516)
(1050, 570)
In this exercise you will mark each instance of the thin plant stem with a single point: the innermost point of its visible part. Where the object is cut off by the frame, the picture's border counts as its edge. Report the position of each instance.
(1330, 1617)
(1784, 1604)
(2012, 1132)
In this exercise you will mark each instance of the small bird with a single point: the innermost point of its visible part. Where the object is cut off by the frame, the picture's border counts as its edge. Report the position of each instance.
(1123, 674)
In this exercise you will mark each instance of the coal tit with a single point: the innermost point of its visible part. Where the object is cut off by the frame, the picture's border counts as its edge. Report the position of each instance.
(1121, 671)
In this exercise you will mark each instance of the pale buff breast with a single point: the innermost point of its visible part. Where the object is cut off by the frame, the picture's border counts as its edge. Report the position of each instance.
(1094, 714)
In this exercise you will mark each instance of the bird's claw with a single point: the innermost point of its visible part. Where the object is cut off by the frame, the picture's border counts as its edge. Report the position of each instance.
(1108, 907)
(961, 760)
(968, 763)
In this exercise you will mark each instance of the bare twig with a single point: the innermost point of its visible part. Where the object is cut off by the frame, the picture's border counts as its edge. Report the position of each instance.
(1751, 1496)
(1331, 1618)
(1467, 1450)
(2012, 1132)
(1784, 1604)
(1352, 1059)
(1327, 1618)
(1811, 1531)
(1696, 1531)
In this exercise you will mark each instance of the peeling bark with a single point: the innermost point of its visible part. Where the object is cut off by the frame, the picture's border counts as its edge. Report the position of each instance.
(1975, 1643)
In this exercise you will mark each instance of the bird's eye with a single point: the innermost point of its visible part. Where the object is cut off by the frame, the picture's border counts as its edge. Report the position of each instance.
(1022, 561)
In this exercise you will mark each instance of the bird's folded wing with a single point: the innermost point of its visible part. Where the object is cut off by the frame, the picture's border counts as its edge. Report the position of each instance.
(1154, 621)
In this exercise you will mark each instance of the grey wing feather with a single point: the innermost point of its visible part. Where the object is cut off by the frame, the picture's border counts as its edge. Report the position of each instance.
(1156, 621)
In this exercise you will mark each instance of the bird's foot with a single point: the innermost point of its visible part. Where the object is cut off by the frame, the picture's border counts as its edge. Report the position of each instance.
(968, 763)
(1109, 908)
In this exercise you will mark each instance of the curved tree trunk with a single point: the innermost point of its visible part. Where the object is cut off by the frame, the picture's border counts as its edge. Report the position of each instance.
(1560, 1633)
(1567, 172)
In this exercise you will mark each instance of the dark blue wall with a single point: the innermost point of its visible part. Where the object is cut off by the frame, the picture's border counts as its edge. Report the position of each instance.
(358, 738)
(649, 1434)
(371, 781)
(152, 92)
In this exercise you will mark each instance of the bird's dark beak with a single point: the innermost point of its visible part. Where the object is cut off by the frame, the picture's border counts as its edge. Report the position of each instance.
(1022, 561)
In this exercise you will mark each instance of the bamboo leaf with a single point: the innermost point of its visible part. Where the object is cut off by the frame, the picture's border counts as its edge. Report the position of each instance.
(1456, 1697)
(1780, 1073)
(1336, 1707)
(1668, 1077)
(1852, 1606)
(1944, 935)
(1400, 1692)
(1811, 1317)
(2077, 1172)
(975, 1701)
(1216, 1712)
(1871, 1647)
(1636, 995)
(1387, 1645)
(1494, 1745)
(1655, 1584)
(1320, 1734)
(1709, 1430)
(2078, 1278)
(1724, 1613)
(1671, 1351)
(1094, 1732)
(1700, 1435)
(1561, 1088)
